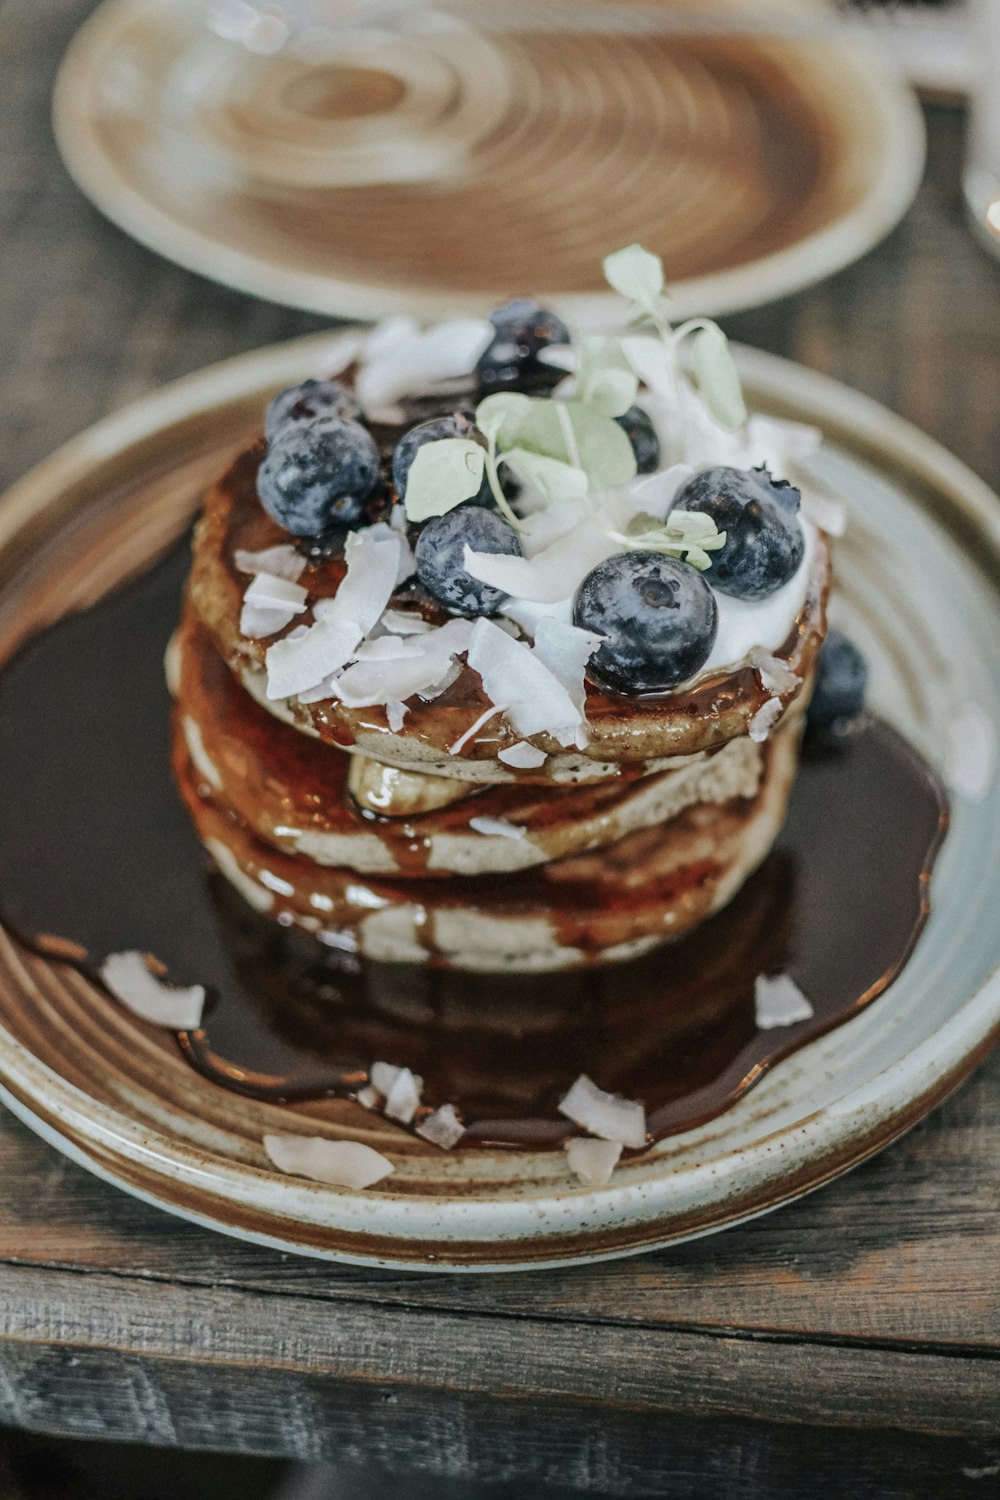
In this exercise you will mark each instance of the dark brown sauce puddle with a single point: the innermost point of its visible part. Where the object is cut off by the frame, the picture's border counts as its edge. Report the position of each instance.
(95, 848)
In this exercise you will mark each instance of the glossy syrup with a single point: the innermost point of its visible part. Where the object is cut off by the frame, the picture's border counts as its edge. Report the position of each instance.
(97, 852)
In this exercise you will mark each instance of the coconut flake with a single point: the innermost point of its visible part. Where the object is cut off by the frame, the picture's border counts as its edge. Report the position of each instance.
(654, 494)
(549, 576)
(442, 1128)
(400, 623)
(383, 1076)
(518, 682)
(395, 713)
(605, 1115)
(522, 756)
(378, 682)
(526, 614)
(348, 1164)
(405, 360)
(373, 562)
(130, 979)
(764, 720)
(389, 648)
(399, 1089)
(496, 827)
(473, 729)
(592, 1161)
(566, 650)
(368, 1097)
(257, 621)
(775, 675)
(778, 1001)
(272, 592)
(283, 561)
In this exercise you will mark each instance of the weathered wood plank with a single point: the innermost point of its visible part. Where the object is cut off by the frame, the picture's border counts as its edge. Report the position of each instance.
(217, 1335)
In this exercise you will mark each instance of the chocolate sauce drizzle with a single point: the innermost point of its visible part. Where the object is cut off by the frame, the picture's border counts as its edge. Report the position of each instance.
(97, 855)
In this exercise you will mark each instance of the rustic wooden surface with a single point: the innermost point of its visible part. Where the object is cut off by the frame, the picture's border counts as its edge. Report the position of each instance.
(853, 1337)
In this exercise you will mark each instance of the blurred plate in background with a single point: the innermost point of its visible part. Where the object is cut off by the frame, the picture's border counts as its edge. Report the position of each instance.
(434, 166)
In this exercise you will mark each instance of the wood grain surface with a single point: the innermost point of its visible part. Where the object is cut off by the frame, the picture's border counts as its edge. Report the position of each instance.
(854, 1335)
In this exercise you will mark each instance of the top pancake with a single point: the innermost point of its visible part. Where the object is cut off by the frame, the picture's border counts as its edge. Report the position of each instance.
(638, 734)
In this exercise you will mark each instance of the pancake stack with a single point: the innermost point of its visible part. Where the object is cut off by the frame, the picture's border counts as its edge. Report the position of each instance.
(519, 808)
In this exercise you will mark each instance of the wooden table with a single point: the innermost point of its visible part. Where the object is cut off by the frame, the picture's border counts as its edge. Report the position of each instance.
(853, 1336)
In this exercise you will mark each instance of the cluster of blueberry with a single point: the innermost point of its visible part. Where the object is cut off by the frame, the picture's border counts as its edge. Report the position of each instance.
(658, 615)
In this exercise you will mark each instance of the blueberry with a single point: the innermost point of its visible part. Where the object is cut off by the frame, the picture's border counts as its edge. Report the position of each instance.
(658, 615)
(764, 541)
(440, 554)
(642, 435)
(511, 361)
(458, 424)
(318, 474)
(313, 398)
(839, 694)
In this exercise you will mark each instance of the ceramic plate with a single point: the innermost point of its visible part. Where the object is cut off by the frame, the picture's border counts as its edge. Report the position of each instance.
(918, 584)
(409, 172)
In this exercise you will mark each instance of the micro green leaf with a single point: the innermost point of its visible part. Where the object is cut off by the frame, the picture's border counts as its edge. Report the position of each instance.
(443, 474)
(690, 535)
(498, 415)
(577, 435)
(638, 274)
(605, 378)
(556, 480)
(715, 373)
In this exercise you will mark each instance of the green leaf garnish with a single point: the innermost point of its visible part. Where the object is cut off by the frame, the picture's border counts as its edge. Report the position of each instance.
(638, 274)
(443, 474)
(687, 534)
(497, 416)
(576, 434)
(605, 379)
(716, 375)
(556, 480)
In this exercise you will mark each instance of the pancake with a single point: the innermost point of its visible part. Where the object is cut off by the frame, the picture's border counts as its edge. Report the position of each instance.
(644, 734)
(292, 791)
(652, 885)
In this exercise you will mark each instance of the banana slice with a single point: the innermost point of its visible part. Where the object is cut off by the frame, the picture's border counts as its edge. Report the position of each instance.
(394, 793)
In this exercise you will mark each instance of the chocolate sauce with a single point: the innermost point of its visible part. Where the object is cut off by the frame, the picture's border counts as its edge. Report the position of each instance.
(97, 851)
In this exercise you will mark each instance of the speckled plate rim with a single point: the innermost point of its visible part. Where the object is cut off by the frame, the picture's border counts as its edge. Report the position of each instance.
(897, 132)
(382, 1228)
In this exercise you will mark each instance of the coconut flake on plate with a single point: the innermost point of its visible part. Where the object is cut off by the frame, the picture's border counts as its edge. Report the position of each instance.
(592, 1161)
(282, 561)
(764, 720)
(442, 1128)
(522, 756)
(775, 675)
(399, 1088)
(348, 1164)
(778, 1001)
(403, 359)
(395, 713)
(131, 980)
(605, 1115)
(520, 684)
(496, 828)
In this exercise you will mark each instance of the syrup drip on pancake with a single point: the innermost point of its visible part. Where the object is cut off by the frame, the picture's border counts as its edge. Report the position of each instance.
(94, 860)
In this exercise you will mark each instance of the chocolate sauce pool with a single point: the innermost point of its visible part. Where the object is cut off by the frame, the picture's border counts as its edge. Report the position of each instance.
(96, 851)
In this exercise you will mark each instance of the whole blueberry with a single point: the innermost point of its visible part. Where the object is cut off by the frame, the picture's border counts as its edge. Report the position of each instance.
(313, 398)
(764, 542)
(523, 330)
(642, 435)
(318, 474)
(658, 616)
(440, 554)
(456, 424)
(839, 694)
